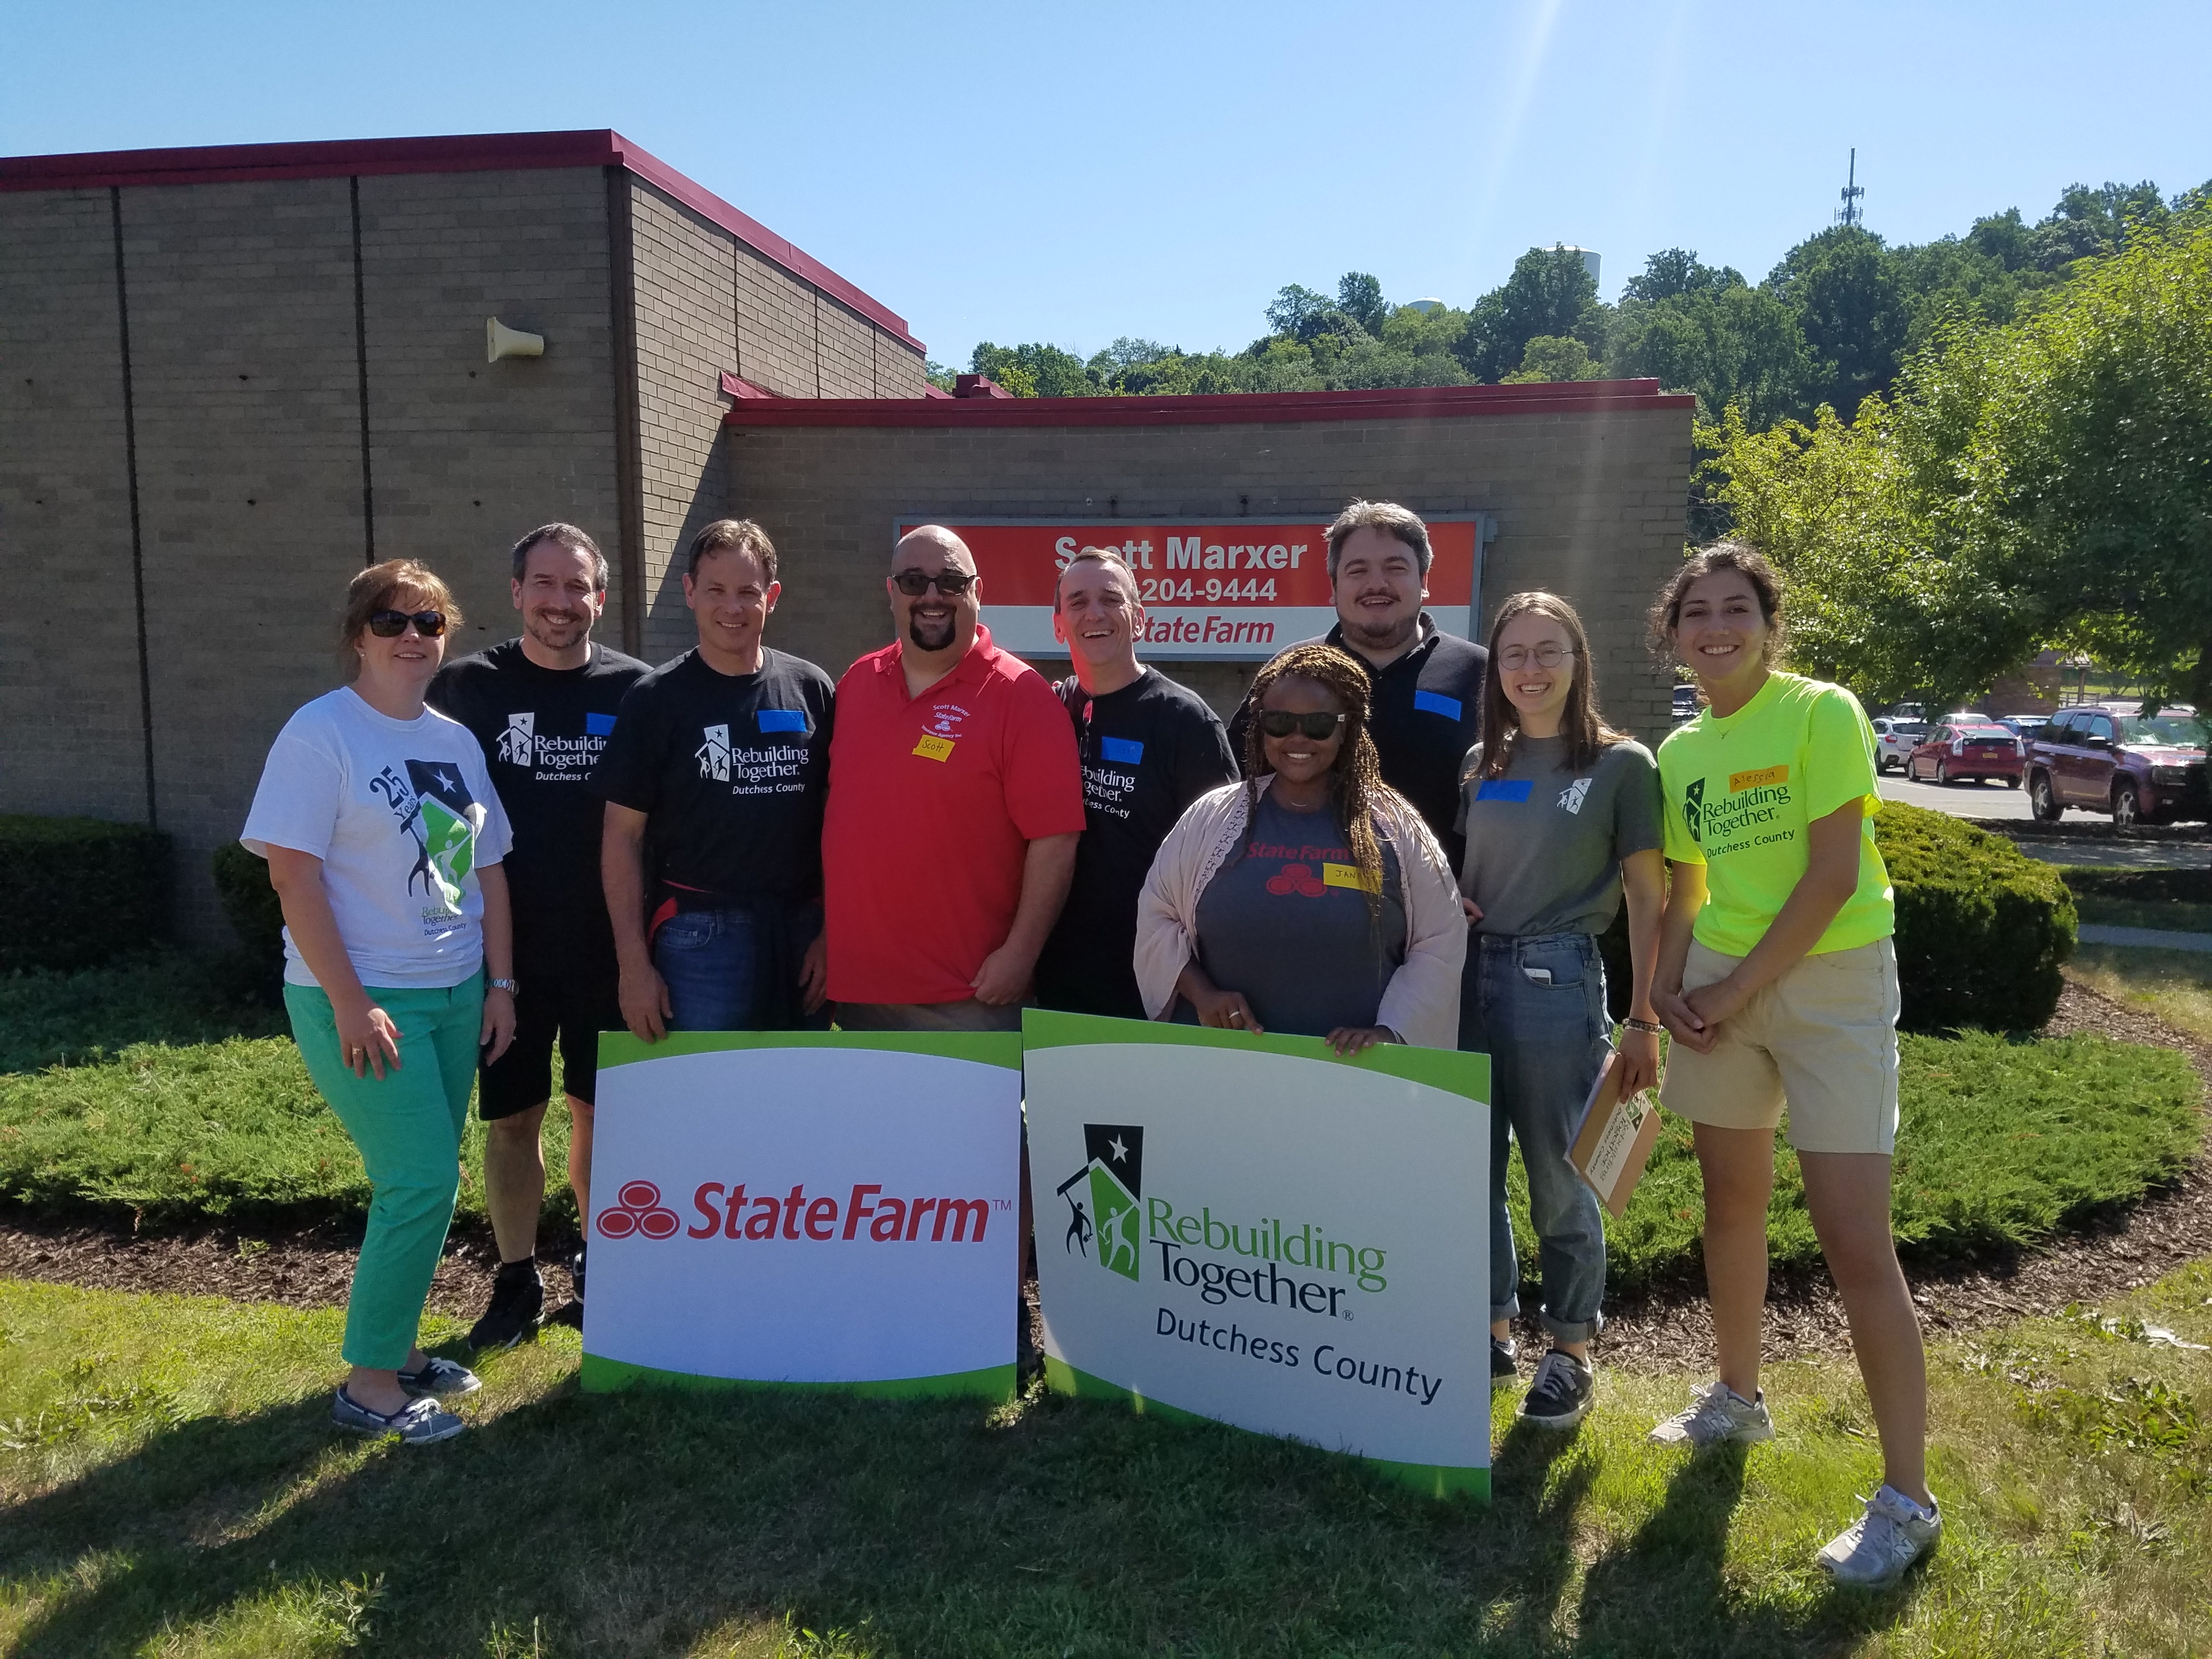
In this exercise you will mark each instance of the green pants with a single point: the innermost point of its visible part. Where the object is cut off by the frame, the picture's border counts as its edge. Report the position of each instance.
(407, 1126)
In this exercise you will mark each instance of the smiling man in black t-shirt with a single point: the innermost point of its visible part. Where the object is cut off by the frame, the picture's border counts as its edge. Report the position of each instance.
(1149, 747)
(542, 708)
(714, 788)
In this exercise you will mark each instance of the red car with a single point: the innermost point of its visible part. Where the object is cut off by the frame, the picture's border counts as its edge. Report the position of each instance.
(1957, 752)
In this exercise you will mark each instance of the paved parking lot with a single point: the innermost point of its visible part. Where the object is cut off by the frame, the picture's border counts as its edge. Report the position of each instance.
(1964, 800)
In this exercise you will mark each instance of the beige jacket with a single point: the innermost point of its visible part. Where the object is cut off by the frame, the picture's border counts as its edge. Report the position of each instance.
(1421, 1001)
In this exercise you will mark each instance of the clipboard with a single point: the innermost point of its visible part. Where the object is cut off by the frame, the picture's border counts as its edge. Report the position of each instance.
(1615, 1140)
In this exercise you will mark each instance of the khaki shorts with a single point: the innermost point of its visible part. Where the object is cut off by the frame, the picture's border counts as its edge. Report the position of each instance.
(1821, 1039)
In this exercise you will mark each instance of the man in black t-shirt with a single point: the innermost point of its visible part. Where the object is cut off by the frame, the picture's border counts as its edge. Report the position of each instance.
(715, 786)
(1427, 707)
(542, 707)
(1149, 747)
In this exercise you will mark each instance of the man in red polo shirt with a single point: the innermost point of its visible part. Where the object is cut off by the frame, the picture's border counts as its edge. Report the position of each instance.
(956, 799)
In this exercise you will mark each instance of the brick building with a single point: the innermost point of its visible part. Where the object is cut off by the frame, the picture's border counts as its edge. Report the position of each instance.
(230, 377)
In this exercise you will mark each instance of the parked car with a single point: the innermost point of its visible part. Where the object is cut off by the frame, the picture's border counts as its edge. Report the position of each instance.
(2024, 726)
(1893, 739)
(1966, 750)
(1686, 703)
(2105, 758)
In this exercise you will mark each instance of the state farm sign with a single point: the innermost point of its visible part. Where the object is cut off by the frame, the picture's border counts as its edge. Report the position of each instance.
(1218, 591)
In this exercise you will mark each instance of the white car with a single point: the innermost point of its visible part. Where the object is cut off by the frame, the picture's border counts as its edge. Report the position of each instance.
(1893, 739)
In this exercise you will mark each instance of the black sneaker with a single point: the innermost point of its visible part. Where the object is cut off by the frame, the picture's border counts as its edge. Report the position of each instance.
(1560, 1396)
(576, 1274)
(1504, 1372)
(571, 1312)
(518, 1307)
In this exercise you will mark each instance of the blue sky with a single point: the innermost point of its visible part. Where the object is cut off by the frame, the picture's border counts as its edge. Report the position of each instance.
(1071, 173)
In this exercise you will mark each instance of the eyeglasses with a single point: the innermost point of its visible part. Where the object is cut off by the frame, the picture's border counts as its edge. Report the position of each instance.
(950, 583)
(1280, 723)
(391, 624)
(1514, 657)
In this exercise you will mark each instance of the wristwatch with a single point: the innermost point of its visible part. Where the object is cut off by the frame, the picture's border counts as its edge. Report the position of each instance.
(512, 986)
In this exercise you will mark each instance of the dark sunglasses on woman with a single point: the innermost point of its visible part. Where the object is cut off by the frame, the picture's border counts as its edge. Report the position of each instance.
(391, 624)
(950, 583)
(1280, 723)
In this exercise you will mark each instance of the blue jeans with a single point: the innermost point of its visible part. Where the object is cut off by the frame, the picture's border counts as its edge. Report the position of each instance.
(721, 968)
(1547, 1041)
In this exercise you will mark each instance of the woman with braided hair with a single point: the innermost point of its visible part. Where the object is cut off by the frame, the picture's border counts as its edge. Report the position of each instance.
(1310, 899)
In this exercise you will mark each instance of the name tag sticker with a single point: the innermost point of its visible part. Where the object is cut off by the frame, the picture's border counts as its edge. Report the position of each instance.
(1345, 875)
(936, 749)
(1435, 703)
(1504, 789)
(599, 725)
(1739, 782)
(783, 719)
(1126, 751)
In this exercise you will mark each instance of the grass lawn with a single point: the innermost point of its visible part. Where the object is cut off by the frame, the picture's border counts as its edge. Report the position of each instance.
(2175, 985)
(2004, 1141)
(2179, 900)
(167, 1486)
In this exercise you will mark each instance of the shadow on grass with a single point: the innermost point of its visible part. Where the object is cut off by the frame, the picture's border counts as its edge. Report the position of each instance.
(640, 1522)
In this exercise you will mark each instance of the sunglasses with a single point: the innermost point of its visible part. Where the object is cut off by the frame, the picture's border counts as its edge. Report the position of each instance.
(1280, 723)
(950, 583)
(391, 624)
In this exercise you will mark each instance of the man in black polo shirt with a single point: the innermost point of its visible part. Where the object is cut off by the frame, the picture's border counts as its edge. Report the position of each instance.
(1149, 747)
(1428, 684)
(714, 788)
(543, 706)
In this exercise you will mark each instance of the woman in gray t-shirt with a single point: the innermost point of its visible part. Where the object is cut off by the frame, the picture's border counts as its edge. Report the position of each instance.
(1561, 814)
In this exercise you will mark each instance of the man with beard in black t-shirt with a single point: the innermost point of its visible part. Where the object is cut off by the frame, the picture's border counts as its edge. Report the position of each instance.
(1149, 747)
(542, 707)
(714, 788)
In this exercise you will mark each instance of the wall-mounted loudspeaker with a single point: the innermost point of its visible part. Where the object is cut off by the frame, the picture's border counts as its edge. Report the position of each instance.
(500, 341)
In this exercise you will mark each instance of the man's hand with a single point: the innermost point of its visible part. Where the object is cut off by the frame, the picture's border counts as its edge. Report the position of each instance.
(1474, 911)
(1349, 1040)
(1004, 977)
(814, 974)
(1638, 1061)
(646, 1008)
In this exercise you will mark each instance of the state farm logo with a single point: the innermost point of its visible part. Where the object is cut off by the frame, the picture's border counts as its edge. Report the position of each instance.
(638, 1209)
(944, 719)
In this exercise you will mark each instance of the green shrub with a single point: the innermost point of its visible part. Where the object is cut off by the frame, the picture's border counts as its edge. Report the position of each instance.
(2191, 886)
(76, 892)
(1982, 929)
(250, 903)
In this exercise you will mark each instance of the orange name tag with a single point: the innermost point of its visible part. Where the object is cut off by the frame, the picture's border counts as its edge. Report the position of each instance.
(936, 749)
(1740, 782)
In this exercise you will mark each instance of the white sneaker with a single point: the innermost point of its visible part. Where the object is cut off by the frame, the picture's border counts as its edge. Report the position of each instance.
(1719, 1414)
(1874, 1550)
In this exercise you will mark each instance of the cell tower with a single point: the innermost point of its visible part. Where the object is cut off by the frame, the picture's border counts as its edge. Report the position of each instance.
(1851, 213)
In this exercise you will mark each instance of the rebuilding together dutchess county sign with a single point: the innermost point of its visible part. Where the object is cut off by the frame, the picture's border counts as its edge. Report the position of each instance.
(833, 1209)
(1242, 590)
(1248, 1229)
(1258, 1232)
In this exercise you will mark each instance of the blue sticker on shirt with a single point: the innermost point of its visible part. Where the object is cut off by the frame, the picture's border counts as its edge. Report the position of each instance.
(1435, 703)
(1504, 789)
(599, 725)
(1126, 751)
(783, 719)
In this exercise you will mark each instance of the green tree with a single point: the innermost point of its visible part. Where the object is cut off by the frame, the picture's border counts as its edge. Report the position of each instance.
(1843, 292)
(1296, 312)
(1360, 296)
(1549, 292)
(1045, 371)
(1697, 329)
(1554, 357)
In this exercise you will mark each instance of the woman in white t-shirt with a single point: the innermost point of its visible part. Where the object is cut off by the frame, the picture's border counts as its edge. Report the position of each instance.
(384, 838)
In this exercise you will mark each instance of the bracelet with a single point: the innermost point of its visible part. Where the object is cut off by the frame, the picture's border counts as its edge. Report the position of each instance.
(1652, 1026)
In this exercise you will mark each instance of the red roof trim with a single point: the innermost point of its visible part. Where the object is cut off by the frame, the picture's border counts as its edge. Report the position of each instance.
(736, 387)
(472, 153)
(1420, 403)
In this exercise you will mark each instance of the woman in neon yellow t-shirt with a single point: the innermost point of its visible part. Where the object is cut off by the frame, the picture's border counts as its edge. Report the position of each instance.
(1779, 984)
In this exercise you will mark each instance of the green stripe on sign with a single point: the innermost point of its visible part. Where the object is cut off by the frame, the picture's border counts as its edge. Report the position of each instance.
(1431, 1480)
(603, 1375)
(1455, 1073)
(978, 1048)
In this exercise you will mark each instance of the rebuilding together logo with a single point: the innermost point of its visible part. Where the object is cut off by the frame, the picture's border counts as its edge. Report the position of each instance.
(1754, 799)
(1112, 1180)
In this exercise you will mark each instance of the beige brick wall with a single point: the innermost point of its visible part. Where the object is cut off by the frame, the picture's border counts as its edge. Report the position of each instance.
(69, 633)
(469, 455)
(1588, 504)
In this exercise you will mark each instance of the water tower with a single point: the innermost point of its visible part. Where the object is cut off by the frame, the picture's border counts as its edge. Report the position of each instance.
(1590, 257)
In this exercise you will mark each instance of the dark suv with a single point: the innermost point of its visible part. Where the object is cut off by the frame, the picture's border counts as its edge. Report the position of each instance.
(2142, 768)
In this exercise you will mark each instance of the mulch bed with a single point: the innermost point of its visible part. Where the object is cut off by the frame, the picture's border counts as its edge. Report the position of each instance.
(1666, 1328)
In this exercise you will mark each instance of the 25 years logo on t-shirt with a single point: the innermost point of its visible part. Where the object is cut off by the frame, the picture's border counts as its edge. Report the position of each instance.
(434, 808)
